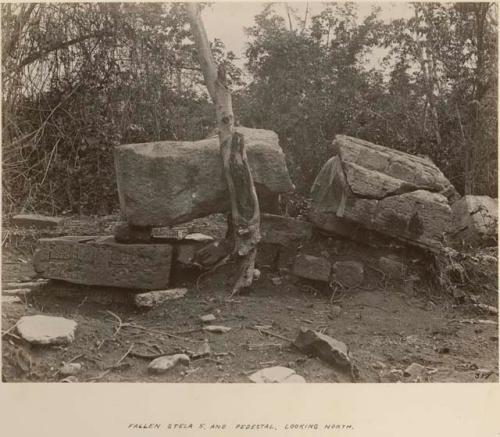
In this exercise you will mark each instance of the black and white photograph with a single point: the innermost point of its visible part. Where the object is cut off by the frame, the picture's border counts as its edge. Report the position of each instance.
(244, 192)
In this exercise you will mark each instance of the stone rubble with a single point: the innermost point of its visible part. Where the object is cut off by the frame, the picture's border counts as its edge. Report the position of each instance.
(165, 363)
(151, 299)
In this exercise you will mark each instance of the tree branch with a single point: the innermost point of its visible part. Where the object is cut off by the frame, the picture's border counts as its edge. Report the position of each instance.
(33, 57)
(245, 212)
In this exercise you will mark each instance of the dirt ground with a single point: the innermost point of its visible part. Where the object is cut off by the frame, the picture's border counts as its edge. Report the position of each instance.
(386, 325)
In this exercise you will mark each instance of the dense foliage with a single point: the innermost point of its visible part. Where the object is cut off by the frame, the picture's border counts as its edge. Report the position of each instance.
(433, 93)
(80, 78)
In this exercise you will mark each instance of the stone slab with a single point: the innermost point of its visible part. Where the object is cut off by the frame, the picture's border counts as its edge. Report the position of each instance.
(475, 220)
(102, 261)
(42, 329)
(312, 267)
(170, 182)
(36, 221)
(276, 229)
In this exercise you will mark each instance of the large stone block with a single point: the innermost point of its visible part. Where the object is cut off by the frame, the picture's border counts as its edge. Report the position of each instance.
(276, 229)
(383, 190)
(312, 267)
(102, 261)
(171, 182)
(475, 220)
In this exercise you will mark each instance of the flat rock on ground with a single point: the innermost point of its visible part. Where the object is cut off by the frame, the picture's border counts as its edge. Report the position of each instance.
(46, 330)
(325, 347)
(157, 297)
(163, 364)
(276, 374)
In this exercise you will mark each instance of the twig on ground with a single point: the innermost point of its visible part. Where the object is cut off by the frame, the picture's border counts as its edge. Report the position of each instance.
(272, 334)
(120, 323)
(80, 304)
(125, 354)
(147, 356)
(155, 331)
(68, 362)
(9, 330)
(102, 375)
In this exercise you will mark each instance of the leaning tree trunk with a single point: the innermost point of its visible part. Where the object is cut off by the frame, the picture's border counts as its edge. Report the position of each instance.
(245, 215)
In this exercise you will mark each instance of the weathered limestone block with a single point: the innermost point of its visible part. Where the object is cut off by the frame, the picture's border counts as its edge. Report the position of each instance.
(171, 182)
(150, 299)
(102, 261)
(414, 170)
(475, 220)
(36, 221)
(276, 229)
(349, 273)
(384, 190)
(312, 267)
(392, 267)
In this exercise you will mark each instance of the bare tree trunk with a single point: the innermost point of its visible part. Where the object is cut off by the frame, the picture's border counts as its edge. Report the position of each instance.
(425, 59)
(245, 212)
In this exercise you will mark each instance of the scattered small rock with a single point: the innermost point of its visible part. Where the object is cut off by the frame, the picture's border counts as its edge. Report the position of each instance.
(490, 309)
(207, 318)
(276, 280)
(162, 364)
(335, 310)
(197, 236)
(69, 379)
(11, 299)
(483, 373)
(41, 329)
(154, 298)
(277, 374)
(312, 267)
(203, 351)
(395, 375)
(414, 370)
(70, 369)
(256, 274)
(217, 329)
(379, 365)
(325, 347)
(349, 273)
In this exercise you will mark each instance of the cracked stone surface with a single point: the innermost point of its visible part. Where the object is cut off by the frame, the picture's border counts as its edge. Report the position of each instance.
(475, 220)
(170, 182)
(384, 190)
